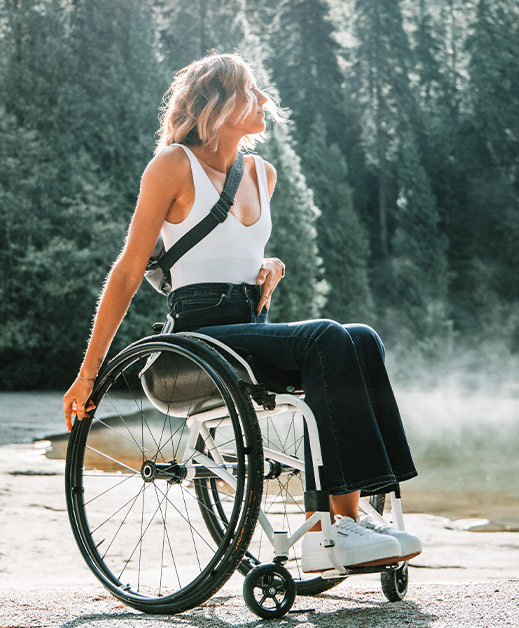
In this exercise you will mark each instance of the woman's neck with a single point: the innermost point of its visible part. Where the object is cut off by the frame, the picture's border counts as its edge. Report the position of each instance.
(223, 158)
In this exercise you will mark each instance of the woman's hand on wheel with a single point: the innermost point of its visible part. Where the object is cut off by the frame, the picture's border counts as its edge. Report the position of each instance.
(75, 400)
(272, 271)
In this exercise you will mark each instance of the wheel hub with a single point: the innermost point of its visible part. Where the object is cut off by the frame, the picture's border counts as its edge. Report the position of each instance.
(173, 472)
(148, 471)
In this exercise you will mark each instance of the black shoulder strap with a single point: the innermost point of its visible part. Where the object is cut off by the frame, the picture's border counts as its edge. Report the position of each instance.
(218, 214)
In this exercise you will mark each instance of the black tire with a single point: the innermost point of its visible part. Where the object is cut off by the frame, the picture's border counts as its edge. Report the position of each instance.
(282, 502)
(269, 591)
(394, 583)
(159, 558)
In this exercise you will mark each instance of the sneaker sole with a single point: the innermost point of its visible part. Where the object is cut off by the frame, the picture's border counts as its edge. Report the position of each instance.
(380, 553)
(409, 556)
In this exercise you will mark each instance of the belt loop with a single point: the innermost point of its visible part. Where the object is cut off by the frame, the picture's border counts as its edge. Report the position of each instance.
(229, 291)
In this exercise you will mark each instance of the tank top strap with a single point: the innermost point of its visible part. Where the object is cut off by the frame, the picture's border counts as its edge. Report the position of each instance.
(262, 177)
(200, 176)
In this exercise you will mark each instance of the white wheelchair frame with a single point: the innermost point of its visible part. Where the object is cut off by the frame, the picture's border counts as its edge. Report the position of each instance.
(280, 539)
(225, 388)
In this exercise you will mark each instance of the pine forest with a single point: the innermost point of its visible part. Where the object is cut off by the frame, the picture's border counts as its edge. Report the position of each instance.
(398, 169)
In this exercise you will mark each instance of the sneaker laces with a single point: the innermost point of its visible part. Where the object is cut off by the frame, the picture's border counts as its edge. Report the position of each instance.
(347, 526)
(366, 521)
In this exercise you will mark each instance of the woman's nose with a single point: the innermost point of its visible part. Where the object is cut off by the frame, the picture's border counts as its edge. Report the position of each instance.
(262, 98)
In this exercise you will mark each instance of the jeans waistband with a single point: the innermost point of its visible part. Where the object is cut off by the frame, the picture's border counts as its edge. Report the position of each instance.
(227, 289)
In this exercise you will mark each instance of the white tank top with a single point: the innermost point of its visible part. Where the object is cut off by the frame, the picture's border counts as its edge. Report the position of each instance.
(232, 252)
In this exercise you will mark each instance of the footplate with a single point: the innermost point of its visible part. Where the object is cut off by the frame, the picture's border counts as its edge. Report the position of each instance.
(357, 571)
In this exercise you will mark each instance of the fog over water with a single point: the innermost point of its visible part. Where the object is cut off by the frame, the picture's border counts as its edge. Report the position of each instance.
(465, 444)
(466, 449)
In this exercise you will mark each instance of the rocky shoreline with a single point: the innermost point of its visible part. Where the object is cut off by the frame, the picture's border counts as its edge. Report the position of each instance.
(462, 578)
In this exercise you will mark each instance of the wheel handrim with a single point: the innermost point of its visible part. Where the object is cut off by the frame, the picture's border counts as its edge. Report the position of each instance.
(146, 503)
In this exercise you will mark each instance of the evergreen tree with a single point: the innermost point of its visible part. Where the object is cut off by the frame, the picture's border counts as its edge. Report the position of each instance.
(304, 62)
(72, 188)
(486, 227)
(189, 30)
(342, 238)
(118, 87)
(34, 58)
(429, 133)
(439, 34)
(380, 79)
(294, 238)
(494, 83)
(419, 262)
(119, 92)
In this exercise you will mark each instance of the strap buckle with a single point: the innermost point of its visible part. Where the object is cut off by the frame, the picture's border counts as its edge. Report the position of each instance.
(222, 207)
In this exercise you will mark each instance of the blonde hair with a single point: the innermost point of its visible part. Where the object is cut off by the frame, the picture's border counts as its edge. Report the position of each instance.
(201, 98)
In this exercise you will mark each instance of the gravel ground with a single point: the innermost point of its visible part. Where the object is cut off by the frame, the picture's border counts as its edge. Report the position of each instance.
(474, 605)
(462, 578)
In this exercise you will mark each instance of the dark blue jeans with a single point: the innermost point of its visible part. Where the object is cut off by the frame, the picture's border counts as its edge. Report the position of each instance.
(340, 368)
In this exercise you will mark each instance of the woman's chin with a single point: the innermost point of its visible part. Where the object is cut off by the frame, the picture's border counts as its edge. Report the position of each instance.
(259, 128)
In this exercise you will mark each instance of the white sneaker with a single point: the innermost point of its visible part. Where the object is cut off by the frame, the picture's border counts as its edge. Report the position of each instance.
(410, 544)
(354, 545)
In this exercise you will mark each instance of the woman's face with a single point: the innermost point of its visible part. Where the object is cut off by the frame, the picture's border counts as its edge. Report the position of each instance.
(254, 122)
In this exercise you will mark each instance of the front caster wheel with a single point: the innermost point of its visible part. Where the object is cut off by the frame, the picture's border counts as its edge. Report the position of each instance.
(394, 583)
(269, 591)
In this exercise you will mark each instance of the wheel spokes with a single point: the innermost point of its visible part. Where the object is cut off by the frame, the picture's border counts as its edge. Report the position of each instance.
(158, 542)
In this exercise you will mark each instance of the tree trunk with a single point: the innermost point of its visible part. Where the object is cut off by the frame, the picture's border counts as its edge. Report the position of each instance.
(382, 208)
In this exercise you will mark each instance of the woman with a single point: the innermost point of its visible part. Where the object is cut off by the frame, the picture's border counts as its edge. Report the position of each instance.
(214, 108)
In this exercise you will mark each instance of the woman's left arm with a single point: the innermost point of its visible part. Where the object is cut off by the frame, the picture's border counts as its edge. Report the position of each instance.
(272, 270)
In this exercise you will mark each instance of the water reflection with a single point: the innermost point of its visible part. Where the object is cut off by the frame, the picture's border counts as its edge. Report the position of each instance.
(465, 446)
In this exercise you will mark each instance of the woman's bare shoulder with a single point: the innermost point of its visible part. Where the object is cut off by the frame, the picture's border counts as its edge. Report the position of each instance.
(272, 176)
(271, 171)
(170, 166)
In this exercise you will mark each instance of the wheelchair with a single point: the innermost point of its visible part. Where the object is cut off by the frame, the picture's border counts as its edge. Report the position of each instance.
(191, 467)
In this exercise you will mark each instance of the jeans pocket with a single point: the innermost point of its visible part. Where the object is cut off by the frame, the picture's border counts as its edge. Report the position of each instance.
(191, 305)
(200, 304)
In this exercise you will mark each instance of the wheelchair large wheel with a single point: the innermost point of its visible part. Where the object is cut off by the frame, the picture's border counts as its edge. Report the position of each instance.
(169, 412)
(282, 503)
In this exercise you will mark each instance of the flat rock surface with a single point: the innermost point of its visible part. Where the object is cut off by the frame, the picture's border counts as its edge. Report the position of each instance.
(462, 578)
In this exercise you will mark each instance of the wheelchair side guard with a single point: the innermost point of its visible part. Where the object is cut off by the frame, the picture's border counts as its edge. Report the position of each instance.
(247, 368)
(239, 363)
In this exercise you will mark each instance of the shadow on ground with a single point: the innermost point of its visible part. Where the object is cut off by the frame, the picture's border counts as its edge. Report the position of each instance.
(226, 611)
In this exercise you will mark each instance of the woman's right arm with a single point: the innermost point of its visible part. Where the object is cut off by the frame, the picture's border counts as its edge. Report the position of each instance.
(158, 192)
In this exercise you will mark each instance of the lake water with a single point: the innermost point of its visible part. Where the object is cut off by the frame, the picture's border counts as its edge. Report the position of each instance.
(30, 416)
(465, 445)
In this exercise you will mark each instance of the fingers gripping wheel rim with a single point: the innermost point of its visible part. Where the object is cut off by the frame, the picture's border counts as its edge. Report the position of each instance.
(130, 478)
(269, 591)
